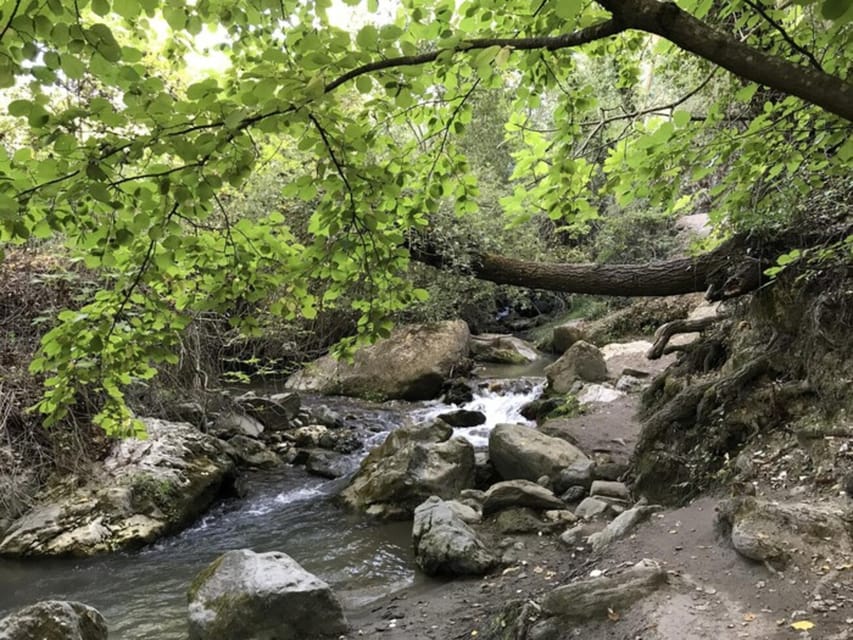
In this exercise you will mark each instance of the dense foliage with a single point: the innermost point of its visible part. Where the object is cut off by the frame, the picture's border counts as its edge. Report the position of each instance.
(133, 155)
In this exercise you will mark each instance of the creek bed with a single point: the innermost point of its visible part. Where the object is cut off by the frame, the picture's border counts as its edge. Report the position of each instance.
(143, 594)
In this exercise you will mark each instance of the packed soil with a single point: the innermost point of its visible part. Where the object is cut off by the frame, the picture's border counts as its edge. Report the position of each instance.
(713, 592)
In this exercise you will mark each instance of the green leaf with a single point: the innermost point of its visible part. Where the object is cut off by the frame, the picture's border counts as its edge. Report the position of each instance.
(72, 66)
(745, 94)
(567, 9)
(681, 118)
(99, 191)
(315, 87)
(127, 9)
(834, 9)
(101, 7)
(367, 37)
(364, 84)
(176, 17)
(19, 108)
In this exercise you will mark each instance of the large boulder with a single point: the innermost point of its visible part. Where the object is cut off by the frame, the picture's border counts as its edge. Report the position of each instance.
(630, 358)
(779, 532)
(54, 620)
(565, 335)
(583, 361)
(413, 463)
(245, 595)
(521, 452)
(412, 364)
(501, 349)
(445, 544)
(141, 491)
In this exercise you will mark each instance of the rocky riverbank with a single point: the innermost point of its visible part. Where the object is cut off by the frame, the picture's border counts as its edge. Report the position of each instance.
(774, 565)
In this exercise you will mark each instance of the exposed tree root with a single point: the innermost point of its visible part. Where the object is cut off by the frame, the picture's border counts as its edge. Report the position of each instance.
(778, 357)
(727, 389)
(664, 334)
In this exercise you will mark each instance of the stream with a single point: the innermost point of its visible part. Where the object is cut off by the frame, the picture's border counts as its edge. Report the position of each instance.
(143, 594)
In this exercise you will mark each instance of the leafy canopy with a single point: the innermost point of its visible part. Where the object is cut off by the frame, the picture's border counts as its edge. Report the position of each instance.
(117, 150)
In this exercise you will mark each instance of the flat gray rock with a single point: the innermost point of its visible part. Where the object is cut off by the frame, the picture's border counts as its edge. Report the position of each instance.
(610, 489)
(520, 493)
(591, 508)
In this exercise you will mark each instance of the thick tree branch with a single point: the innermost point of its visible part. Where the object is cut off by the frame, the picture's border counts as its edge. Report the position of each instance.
(667, 20)
(669, 277)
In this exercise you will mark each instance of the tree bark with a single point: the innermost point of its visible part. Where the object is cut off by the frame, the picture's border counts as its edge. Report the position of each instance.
(682, 275)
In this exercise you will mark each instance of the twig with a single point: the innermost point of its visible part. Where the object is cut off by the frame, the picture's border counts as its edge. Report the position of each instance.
(800, 49)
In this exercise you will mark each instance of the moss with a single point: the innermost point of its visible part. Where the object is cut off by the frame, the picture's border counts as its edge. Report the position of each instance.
(569, 408)
(149, 492)
(203, 577)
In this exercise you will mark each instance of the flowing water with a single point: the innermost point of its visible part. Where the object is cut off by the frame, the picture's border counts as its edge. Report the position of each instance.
(143, 594)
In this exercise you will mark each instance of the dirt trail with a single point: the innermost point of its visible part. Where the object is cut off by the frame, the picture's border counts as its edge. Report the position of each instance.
(713, 592)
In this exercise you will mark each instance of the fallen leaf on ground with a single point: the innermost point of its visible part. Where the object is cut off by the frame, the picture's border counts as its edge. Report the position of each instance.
(802, 625)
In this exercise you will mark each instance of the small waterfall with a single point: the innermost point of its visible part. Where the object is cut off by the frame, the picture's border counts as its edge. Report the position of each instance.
(500, 400)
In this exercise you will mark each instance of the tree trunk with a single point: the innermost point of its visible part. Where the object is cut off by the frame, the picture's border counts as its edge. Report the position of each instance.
(734, 268)
(722, 273)
(682, 275)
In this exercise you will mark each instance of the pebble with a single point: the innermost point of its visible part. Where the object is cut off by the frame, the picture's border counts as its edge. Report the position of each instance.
(590, 508)
(610, 489)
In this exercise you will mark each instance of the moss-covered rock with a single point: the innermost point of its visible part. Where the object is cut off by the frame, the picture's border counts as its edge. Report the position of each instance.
(143, 490)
